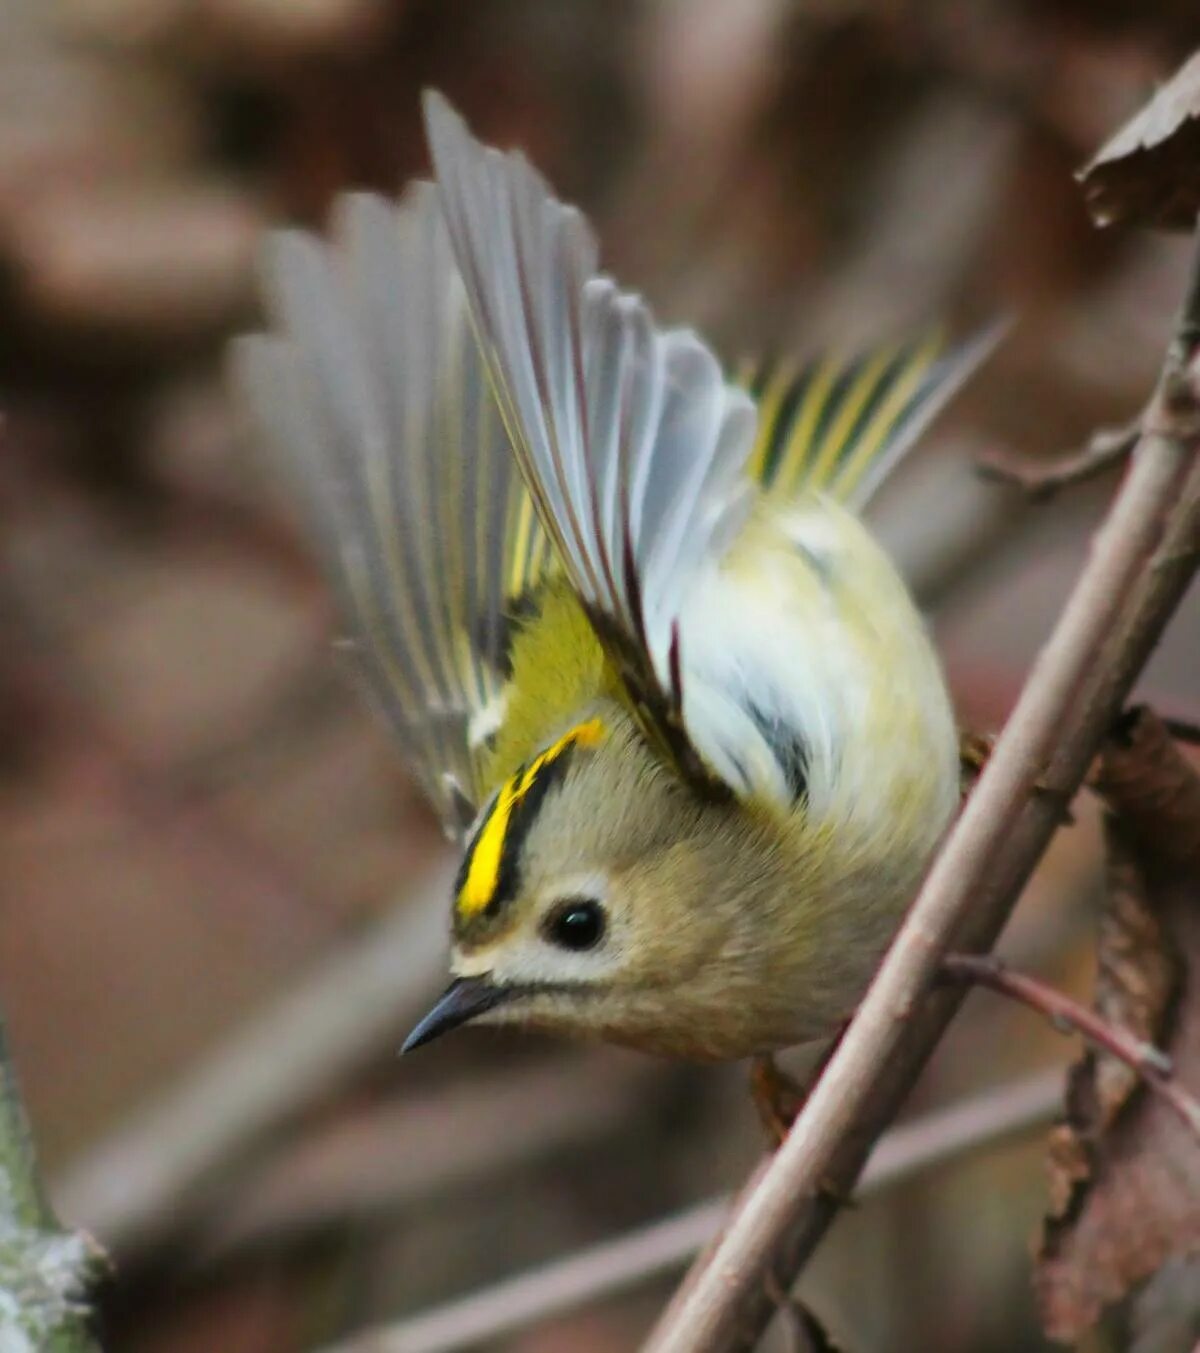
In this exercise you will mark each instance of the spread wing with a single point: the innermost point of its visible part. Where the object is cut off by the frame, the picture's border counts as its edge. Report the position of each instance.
(373, 391)
(630, 440)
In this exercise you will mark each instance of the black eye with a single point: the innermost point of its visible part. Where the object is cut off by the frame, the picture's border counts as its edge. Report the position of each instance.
(576, 924)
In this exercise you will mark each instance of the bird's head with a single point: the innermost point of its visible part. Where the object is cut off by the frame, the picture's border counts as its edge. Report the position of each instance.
(590, 898)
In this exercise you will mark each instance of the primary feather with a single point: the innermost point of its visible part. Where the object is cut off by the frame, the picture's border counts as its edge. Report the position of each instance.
(631, 440)
(376, 395)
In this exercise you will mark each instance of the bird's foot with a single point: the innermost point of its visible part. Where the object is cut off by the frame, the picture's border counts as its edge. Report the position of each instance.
(777, 1096)
(973, 752)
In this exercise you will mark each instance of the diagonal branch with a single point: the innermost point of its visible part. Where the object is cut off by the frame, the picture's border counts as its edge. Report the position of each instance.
(1142, 560)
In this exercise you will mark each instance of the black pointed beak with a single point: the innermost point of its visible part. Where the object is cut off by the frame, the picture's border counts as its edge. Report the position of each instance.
(463, 1000)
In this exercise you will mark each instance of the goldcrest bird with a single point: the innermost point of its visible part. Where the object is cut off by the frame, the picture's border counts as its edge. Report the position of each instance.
(647, 663)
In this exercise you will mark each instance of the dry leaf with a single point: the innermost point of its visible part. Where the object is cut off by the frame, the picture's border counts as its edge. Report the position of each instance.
(1145, 778)
(1138, 972)
(1124, 1169)
(1149, 172)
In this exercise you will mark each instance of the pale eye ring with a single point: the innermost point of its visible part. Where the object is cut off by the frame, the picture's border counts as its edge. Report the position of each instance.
(576, 923)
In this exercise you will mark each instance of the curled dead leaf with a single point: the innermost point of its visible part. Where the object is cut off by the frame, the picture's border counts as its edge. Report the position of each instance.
(1149, 172)
(1138, 971)
(1143, 776)
(1124, 1170)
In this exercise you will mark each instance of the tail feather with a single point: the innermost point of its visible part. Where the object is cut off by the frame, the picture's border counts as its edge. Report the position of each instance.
(842, 425)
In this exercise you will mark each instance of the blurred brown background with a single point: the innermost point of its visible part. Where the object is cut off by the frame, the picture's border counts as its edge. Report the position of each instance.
(211, 863)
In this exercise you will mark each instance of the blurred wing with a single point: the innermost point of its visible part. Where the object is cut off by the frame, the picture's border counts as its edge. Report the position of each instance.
(373, 390)
(631, 442)
(841, 426)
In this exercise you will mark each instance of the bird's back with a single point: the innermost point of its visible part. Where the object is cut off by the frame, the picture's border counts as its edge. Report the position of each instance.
(556, 669)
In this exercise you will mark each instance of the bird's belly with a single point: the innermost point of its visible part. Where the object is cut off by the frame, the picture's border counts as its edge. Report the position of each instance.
(810, 681)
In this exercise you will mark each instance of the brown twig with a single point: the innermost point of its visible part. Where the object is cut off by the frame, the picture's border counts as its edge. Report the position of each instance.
(1039, 480)
(1142, 561)
(1151, 1063)
(643, 1255)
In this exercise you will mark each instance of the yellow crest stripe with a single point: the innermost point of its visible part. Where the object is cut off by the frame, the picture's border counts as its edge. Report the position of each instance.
(487, 852)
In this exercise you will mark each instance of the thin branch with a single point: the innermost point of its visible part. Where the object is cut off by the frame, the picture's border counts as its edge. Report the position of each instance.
(1040, 480)
(1151, 1063)
(132, 1186)
(643, 1255)
(1142, 561)
(45, 1272)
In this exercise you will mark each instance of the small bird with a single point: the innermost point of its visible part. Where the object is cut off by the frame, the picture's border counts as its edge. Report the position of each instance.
(650, 668)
